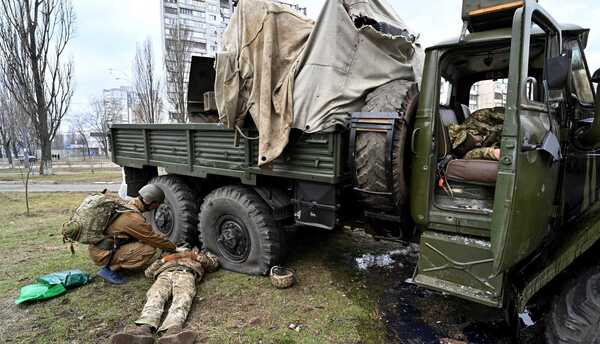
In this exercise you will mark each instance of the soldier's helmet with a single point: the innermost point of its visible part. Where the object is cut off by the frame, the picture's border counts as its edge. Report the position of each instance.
(151, 193)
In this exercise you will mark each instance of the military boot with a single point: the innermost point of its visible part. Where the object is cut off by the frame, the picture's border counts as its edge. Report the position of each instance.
(176, 335)
(139, 335)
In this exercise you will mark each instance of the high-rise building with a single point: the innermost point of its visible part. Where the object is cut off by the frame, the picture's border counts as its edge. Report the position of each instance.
(198, 26)
(488, 94)
(190, 28)
(296, 7)
(117, 104)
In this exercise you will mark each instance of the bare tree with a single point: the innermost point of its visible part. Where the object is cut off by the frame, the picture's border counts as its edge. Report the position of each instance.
(79, 127)
(148, 103)
(98, 119)
(177, 63)
(33, 38)
(6, 124)
(25, 174)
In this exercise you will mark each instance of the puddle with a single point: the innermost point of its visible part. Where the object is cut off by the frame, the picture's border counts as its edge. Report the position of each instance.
(387, 260)
(368, 261)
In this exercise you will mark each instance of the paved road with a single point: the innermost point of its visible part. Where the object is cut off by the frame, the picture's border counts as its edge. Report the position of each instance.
(40, 187)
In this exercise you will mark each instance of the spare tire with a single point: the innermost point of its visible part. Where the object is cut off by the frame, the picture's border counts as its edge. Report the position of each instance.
(237, 225)
(371, 175)
(177, 216)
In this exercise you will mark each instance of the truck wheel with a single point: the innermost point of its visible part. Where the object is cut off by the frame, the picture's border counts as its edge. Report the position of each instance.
(176, 218)
(237, 225)
(575, 314)
(371, 175)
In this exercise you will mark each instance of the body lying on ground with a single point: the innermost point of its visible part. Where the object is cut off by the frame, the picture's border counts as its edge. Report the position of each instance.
(175, 277)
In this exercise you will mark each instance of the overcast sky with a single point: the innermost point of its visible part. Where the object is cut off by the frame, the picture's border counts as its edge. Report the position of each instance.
(108, 31)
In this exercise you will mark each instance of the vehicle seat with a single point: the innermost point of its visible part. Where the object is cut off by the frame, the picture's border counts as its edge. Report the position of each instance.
(462, 170)
(482, 172)
(447, 117)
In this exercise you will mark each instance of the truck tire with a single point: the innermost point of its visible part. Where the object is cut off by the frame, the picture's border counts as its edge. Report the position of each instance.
(237, 225)
(371, 175)
(177, 217)
(575, 314)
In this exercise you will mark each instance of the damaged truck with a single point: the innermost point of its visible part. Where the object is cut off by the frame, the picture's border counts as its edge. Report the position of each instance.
(348, 121)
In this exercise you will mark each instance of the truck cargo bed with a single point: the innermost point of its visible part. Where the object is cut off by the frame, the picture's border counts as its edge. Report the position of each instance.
(209, 149)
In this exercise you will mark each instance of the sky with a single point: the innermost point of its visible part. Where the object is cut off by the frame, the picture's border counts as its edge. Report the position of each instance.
(108, 30)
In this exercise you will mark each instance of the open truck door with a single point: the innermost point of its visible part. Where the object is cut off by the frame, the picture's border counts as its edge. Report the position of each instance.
(524, 202)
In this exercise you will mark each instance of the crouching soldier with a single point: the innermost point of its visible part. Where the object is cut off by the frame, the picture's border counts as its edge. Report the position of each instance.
(130, 242)
(175, 275)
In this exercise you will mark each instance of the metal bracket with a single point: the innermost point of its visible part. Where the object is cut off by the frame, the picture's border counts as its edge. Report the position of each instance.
(380, 122)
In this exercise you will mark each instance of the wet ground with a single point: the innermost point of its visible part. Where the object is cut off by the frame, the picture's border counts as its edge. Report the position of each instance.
(412, 314)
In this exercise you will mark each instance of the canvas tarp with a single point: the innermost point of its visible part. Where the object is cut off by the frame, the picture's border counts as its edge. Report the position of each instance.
(255, 70)
(341, 63)
(288, 72)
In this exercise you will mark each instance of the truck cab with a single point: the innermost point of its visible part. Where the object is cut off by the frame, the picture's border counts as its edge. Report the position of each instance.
(491, 226)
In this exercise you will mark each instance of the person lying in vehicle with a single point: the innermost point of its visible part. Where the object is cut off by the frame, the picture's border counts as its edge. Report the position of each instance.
(478, 137)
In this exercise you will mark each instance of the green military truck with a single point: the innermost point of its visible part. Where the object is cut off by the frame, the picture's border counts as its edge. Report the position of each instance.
(501, 233)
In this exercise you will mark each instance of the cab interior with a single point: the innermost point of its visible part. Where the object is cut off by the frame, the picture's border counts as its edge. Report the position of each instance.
(464, 188)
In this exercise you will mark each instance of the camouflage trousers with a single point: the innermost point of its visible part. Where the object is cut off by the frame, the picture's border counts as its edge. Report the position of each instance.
(485, 153)
(182, 286)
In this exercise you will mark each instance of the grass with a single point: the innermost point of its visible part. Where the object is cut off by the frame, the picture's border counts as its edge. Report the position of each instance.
(333, 302)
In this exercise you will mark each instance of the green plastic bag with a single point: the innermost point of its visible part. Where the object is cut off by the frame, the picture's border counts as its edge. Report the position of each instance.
(39, 291)
(52, 285)
(69, 279)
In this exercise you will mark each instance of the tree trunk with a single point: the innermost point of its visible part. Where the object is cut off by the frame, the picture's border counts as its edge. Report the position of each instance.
(105, 146)
(46, 160)
(8, 154)
(14, 148)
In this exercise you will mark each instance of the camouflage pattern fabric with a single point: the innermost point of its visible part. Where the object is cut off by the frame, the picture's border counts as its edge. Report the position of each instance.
(176, 276)
(182, 286)
(486, 153)
(483, 129)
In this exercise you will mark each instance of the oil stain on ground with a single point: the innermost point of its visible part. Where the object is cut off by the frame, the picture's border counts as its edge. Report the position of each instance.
(407, 313)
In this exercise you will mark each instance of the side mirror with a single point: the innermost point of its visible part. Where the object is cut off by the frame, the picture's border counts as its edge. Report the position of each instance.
(596, 77)
(558, 70)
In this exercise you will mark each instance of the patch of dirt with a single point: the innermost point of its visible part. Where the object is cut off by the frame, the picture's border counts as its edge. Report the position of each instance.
(15, 319)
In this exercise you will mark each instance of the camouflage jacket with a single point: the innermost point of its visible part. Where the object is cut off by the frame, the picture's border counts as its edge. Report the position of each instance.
(199, 262)
(482, 129)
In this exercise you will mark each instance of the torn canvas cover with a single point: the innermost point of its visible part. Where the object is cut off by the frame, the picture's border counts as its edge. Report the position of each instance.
(255, 70)
(356, 46)
(289, 72)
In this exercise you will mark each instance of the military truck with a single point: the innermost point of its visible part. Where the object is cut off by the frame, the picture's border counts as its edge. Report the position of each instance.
(501, 233)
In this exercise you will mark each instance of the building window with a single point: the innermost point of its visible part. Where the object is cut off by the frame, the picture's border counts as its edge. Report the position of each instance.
(186, 11)
(171, 1)
(170, 10)
(199, 45)
(213, 17)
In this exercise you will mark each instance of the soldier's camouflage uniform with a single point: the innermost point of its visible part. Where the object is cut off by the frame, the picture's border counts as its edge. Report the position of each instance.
(479, 135)
(175, 276)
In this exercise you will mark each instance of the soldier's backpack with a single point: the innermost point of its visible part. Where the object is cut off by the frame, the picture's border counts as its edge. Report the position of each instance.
(91, 219)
